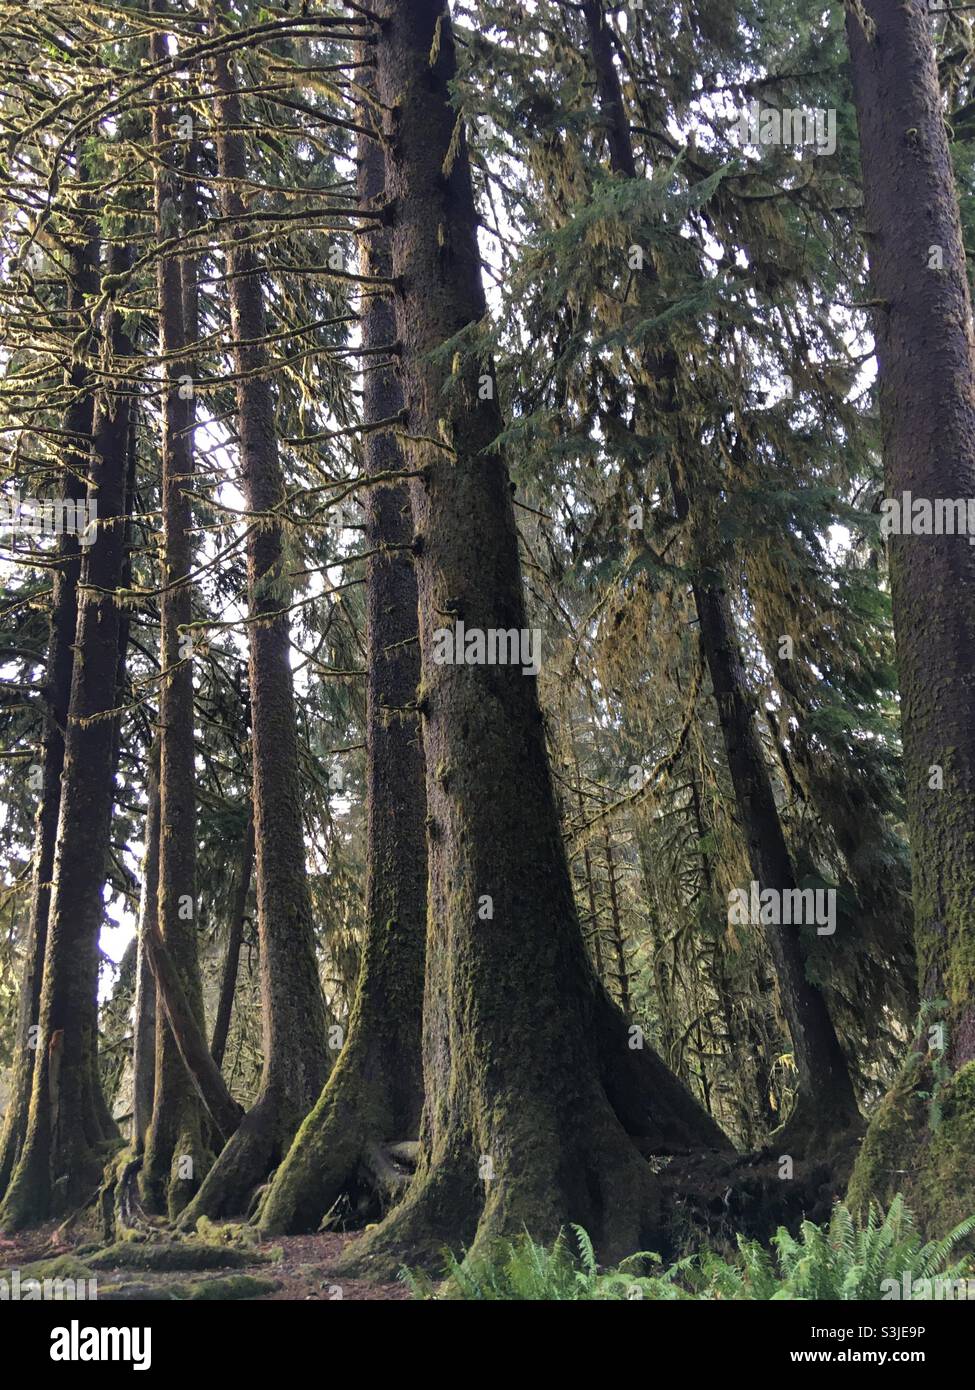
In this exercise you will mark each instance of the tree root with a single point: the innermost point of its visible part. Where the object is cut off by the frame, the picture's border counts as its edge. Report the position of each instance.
(173, 1255)
(243, 1165)
(234, 1287)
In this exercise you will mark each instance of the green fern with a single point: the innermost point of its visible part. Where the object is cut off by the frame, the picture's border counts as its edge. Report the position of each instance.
(836, 1262)
(839, 1261)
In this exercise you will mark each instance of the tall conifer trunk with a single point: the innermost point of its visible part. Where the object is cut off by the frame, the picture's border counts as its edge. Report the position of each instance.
(235, 939)
(175, 1154)
(923, 1143)
(293, 1010)
(375, 1093)
(76, 428)
(518, 1126)
(826, 1104)
(146, 1011)
(60, 1161)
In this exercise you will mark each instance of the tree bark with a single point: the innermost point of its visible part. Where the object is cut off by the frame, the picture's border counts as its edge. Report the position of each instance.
(189, 1038)
(293, 1010)
(619, 943)
(77, 428)
(175, 1151)
(923, 1144)
(375, 1094)
(60, 1162)
(235, 938)
(144, 1031)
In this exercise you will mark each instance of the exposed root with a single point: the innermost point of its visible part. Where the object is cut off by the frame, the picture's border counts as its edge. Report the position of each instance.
(389, 1178)
(243, 1165)
(173, 1255)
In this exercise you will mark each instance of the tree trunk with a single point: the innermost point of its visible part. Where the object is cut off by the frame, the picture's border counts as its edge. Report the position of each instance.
(144, 1031)
(189, 1037)
(235, 938)
(76, 427)
(619, 943)
(826, 1098)
(175, 1152)
(60, 1162)
(518, 1126)
(926, 390)
(375, 1093)
(826, 1103)
(293, 1010)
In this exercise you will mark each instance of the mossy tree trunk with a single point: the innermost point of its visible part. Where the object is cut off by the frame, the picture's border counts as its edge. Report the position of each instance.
(519, 1129)
(375, 1093)
(76, 429)
(923, 1136)
(235, 939)
(61, 1161)
(145, 1012)
(175, 1157)
(293, 1010)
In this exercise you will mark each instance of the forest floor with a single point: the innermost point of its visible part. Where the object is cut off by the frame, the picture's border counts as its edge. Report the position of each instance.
(296, 1268)
(710, 1199)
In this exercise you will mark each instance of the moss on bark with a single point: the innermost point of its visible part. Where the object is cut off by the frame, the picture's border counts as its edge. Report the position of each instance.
(921, 1139)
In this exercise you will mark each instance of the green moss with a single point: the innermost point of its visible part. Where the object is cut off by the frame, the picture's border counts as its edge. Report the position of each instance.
(932, 1167)
(59, 1267)
(174, 1255)
(945, 1181)
(235, 1287)
(222, 1290)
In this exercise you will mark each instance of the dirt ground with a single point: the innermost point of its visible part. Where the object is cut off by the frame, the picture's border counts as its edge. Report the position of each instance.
(299, 1266)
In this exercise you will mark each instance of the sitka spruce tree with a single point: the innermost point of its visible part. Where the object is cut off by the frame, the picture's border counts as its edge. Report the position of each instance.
(519, 1125)
(454, 519)
(82, 266)
(922, 1138)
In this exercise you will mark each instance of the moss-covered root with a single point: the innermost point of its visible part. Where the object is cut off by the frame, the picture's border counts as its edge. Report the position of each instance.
(244, 1162)
(234, 1287)
(120, 1208)
(173, 1168)
(325, 1154)
(172, 1255)
(32, 1198)
(600, 1182)
(652, 1105)
(921, 1142)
